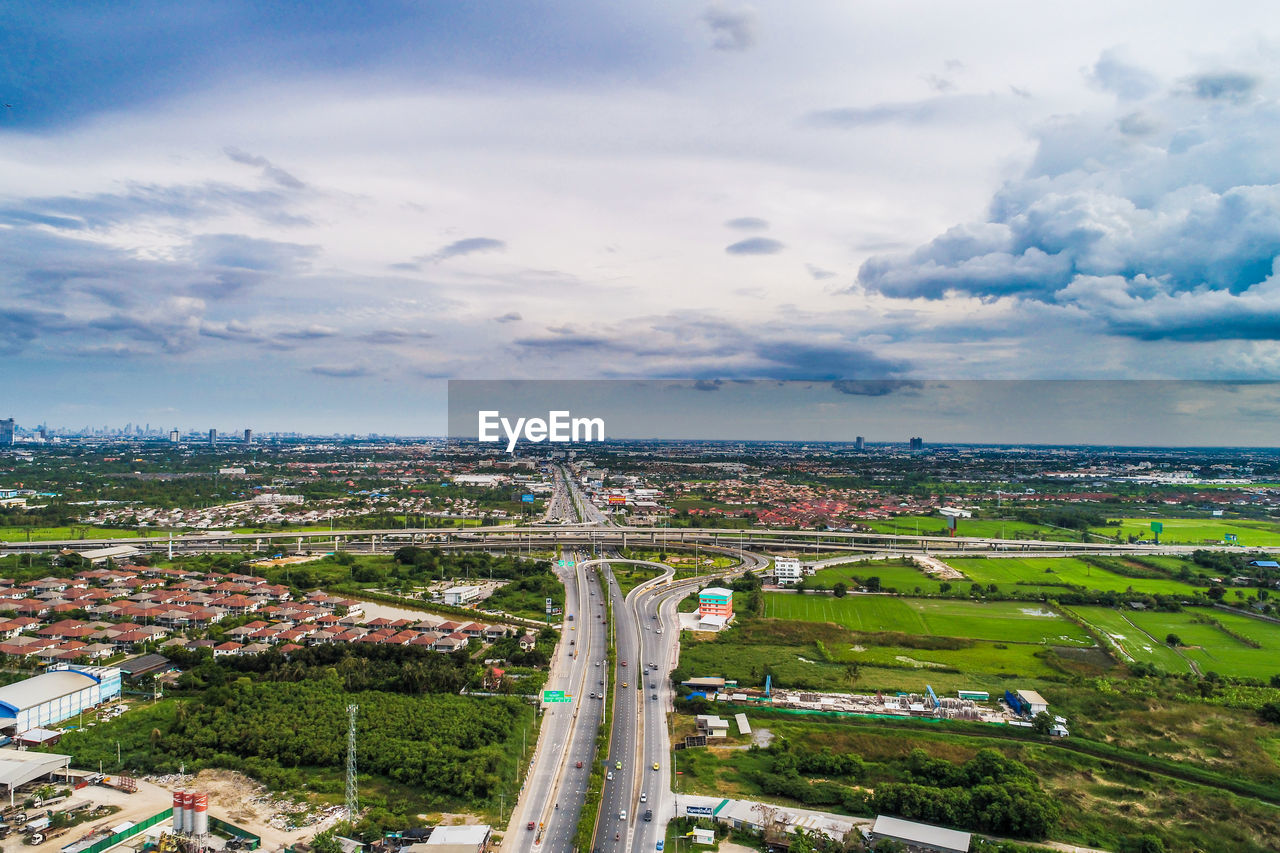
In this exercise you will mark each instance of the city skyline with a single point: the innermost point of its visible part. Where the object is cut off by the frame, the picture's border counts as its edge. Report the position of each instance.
(338, 210)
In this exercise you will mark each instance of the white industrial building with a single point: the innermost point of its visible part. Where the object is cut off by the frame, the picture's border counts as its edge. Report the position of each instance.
(1033, 701)
(459, 595)
(17, 768)
(787, 571)
(57, 695)
(920, 836)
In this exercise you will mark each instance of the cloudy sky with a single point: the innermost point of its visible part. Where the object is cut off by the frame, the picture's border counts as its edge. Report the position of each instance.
(308, 216)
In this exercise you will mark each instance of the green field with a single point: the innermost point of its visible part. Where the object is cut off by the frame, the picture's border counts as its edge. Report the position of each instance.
(1193, 531)
(53, 534)
(892, 573)
(1008, 571)
(1007, 621)
(1142, 634)
(926, 525)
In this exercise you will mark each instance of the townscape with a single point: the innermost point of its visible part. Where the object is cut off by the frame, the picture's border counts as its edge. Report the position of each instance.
(649, 621)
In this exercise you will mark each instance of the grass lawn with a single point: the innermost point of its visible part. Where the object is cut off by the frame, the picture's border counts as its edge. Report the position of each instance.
(1001, 621)
(1193, 531)
(1011, 571)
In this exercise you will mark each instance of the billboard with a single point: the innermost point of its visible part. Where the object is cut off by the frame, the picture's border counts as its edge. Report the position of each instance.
(617, 500)
(527, 498)
(703, 811)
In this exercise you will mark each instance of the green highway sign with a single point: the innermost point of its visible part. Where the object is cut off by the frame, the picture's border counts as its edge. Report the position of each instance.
(1157, 527)
(555, 696)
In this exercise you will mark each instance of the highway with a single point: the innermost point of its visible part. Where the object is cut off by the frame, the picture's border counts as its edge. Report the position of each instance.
(556, 786)
(639, 737)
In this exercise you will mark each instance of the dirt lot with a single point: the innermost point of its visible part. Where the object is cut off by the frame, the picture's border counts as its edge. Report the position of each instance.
(233, 797)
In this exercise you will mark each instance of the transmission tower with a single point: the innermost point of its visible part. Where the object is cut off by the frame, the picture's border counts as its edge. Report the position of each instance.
(353, 804)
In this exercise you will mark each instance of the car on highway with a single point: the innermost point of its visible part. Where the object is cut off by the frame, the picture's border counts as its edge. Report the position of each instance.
(644, 796)
(530, 826)
(624, 684)
(608, 777)
(579, 765)
(617, 765)
(648, 815)
(624, 663)
(653, 687)
(655, 765)
(653, 696)
(622, 815)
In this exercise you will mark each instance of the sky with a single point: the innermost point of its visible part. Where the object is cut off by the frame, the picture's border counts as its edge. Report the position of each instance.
(309, 216)
(1134, 413)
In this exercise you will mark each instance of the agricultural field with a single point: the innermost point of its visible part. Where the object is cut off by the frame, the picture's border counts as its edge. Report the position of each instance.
(1193, 531)
(926, 525)
(1011, 571)
(893, 574)
(1210, 648)
(79, 531)
(1007, 621)
(1102, 803)
(1138, 645)
(817, 656)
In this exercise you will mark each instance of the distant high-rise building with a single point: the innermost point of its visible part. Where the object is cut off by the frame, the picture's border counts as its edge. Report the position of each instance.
(44, 433)
(917, 443)
(859, 444)
(248, 436)
(6, 432)
(173, 436)
(213, 437)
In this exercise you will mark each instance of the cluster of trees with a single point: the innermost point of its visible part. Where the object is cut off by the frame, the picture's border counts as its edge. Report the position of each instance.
(426, 563)
(1070, 517)
(448, 747)
(409, 670)
(988, 793)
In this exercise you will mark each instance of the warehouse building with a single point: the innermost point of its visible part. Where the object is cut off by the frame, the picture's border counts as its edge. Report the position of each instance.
(57, 695)
(920, 836)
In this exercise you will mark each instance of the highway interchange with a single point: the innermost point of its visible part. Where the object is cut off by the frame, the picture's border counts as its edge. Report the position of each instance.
(645, 633)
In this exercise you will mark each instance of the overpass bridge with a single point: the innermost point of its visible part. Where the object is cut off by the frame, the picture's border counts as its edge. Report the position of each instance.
(595, 537)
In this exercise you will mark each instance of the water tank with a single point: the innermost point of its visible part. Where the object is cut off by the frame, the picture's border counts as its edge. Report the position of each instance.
(178, 823)
(200, 806)
(188, 813)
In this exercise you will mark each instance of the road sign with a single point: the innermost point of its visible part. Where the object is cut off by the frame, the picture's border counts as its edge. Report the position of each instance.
(704, 811)
(527, 498)
(1228, 537)
(567, 564)
(1157, 527)
(555, 697)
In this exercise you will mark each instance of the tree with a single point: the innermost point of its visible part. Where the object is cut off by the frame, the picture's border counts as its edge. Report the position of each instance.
(840, 589)
(1173, 640)
(1270, 712)
(1042, 723)
(873, 584)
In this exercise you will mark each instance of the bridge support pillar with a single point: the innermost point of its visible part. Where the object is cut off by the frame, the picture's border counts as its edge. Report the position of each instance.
(299, 544)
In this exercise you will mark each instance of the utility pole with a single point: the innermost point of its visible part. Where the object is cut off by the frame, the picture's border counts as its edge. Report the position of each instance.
(353, 804)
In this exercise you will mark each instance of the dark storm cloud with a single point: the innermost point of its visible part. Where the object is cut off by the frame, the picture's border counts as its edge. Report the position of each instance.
(873, 387)
(468, 246)
(731, 29)
(1223, 85)
(755, 246)
(340, 371)
(1112, 74)
(270, 171)
(707, 384)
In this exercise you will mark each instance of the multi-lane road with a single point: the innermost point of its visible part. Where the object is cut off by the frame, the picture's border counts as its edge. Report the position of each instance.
(646, 634)
(555, 787)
